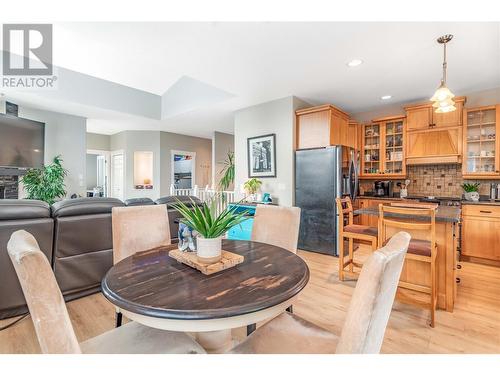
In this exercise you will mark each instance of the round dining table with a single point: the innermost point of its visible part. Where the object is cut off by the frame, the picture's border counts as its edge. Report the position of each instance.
(156, 290)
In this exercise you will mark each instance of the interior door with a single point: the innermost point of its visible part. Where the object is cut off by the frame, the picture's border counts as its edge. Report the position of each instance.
(117, 175)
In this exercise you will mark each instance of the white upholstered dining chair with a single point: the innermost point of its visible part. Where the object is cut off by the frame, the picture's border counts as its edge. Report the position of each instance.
(366, 321)
(138, 228)
(278, 226)
(52, 323)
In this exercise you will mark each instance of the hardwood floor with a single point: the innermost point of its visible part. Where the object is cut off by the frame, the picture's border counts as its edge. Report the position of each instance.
(474, 326)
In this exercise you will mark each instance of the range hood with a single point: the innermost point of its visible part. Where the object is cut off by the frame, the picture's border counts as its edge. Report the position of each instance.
(434, 147)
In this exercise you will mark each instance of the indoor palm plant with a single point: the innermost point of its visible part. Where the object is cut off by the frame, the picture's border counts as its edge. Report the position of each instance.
(227, 172)
(210, 226)
(471, 191)
(47, 183)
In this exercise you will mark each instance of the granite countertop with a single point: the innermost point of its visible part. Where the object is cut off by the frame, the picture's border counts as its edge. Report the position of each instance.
(374, 197)
(443, 213)
(482, 202)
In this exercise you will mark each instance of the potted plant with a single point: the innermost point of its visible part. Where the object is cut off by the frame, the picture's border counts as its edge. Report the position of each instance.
(471, 191)
(209, 226)
(47, 183)
(251, 187)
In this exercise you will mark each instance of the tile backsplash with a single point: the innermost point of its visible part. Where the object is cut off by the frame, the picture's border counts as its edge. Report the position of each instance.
(434, 180)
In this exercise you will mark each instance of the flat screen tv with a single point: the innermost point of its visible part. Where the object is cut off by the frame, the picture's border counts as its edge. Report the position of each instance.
(21, 142)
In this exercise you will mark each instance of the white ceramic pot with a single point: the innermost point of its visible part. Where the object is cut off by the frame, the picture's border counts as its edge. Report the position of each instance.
(403, 193)
(472, 196)
(208, 250)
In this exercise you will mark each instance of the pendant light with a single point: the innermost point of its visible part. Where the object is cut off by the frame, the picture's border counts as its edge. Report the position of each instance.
(443, 97)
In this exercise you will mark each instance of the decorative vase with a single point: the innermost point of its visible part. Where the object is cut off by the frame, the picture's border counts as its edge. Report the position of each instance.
(472, 196)
(209, 250)
(187, 238)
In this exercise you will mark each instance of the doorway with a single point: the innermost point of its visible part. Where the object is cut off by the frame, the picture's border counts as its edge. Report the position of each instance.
(183, 167)
(97, 173)
(117, 174)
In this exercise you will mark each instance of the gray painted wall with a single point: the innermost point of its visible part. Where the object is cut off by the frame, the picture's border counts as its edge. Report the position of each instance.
(222, 143)
(276, 117)
(98, 142)
(65, 135)
(91, 171)
(161, 144)
(130, 142)
(203, 149)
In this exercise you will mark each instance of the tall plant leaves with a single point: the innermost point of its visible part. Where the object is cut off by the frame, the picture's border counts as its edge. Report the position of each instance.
(204, 220)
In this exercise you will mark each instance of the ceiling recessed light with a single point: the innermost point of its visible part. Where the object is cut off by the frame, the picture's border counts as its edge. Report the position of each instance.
(354, 63)
(386, 97)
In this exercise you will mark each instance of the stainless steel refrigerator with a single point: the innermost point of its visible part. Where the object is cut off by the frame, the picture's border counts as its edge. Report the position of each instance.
(321, 175)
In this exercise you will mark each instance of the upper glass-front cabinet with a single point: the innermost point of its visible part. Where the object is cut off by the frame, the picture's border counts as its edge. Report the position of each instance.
(394, 155)
(383, 148)
(481, 149)
(371, 149)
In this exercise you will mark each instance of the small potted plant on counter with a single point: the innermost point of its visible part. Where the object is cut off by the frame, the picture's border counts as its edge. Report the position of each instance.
(471, 191)
(209, 226)
(252, 186)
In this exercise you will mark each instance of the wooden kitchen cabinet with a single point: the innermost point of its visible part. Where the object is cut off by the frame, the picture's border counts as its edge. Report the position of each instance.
(434, 138)
(423, 117)
(480, 144)
(383, 148)
(481, 232)
(354, 135)
(322, 126)
(419, 117)
(371, 220)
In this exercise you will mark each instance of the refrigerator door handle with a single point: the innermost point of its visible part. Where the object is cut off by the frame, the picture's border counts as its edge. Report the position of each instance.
(353, 177)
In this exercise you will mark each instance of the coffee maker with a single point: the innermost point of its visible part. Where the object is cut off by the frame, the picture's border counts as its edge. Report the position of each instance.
(382, 189)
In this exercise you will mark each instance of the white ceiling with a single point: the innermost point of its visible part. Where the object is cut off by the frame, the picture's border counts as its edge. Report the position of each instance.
(236, 65)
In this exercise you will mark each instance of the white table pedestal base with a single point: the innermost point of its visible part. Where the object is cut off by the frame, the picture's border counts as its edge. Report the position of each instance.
(215, 341)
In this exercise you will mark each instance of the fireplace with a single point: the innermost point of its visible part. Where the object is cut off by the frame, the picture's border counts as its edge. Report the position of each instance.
(9, 187)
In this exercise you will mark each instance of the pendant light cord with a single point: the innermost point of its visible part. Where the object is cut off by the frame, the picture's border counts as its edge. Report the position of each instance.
(445, 65)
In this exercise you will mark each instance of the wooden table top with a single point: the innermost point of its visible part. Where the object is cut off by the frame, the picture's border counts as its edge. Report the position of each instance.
(153, 284)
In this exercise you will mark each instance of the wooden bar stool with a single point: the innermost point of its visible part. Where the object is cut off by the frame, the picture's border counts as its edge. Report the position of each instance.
(351, 232)
(420, 250)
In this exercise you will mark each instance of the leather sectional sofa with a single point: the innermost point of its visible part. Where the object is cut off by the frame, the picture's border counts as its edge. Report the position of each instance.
(76, 237)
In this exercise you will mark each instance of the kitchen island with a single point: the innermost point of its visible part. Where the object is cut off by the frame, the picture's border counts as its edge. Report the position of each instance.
(447, 236)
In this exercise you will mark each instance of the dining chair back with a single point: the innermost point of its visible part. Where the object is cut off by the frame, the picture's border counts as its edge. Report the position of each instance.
(422, 248)
(278, 226)
(350, 232)
(44, 299)
(366, 320)
(371, 304)
(53, 326)
(139, 228)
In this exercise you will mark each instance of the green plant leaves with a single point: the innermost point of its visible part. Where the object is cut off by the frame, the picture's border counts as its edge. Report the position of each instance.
(46, 184)
(204, 220)
(469, 187)
(227, 172)
(252, 185)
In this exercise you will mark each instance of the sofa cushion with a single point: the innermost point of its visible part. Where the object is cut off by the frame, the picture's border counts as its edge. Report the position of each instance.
(17, 209)
(170, 200)
(12, 300)
(85, 206)
(139, 202)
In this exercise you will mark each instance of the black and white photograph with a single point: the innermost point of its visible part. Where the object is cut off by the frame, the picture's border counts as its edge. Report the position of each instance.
(262, 156)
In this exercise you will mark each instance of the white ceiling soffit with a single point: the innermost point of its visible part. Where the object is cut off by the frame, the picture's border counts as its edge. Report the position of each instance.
(263, 61)
(188, 94)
